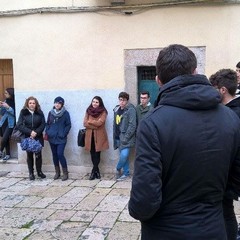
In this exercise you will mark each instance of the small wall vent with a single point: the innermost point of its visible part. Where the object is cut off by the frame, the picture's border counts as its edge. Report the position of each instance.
(117, 2)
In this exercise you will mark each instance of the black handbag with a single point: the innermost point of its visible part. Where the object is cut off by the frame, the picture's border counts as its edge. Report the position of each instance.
(81, 137)
(17, 136)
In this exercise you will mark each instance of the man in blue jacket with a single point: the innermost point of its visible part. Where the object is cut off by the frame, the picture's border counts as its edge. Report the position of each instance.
(186, 150)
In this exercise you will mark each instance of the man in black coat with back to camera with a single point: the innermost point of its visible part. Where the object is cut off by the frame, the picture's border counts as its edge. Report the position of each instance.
(186, 150)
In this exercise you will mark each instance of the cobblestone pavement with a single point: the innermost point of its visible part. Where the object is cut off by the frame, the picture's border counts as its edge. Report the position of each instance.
(74, 209)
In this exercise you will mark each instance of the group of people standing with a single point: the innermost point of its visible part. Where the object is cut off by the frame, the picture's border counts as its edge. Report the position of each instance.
(125, 120)
(31, 123)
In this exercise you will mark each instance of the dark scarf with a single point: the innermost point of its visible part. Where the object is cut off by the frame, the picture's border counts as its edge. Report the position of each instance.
(95, 112)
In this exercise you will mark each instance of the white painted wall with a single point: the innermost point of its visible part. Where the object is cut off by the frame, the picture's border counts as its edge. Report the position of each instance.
(81, 55)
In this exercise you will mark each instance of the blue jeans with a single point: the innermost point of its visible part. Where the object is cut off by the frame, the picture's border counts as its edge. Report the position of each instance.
(58, 154)
(123, 162)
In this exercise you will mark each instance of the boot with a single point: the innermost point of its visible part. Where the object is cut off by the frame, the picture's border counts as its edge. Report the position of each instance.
(39, 165)
(57, 173)
(31, 176)
(30, 166)
(97, 175)
(92, 176)
(65, 174)
(41, 174)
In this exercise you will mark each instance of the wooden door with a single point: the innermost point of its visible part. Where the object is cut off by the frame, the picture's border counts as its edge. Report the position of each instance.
(6, 76)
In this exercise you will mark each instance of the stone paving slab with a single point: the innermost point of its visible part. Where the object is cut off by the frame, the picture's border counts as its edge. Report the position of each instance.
(104, 219)
(65, 231)
(83, 216)
(91, 201)
(14, 233)
(93, 233)
(43, 203)
(76, 209)
(64, 215)
(124, 230)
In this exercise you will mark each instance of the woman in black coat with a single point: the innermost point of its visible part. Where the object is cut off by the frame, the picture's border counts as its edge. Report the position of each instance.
(31, 123)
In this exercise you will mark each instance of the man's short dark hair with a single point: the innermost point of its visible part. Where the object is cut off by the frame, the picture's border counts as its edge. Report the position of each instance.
(145, 93)
(175, 60)
(123, 95)
(238, 65)
(225, 78)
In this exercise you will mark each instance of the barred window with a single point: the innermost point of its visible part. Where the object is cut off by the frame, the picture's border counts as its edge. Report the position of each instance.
(146, 73)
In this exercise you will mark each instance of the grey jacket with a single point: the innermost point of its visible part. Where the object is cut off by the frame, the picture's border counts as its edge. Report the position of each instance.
(141, 111)
(128, 127)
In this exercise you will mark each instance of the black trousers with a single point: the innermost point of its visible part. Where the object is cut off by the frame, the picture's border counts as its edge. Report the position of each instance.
(230, 219)
(95, 156)
(6, 134)
(30, 161)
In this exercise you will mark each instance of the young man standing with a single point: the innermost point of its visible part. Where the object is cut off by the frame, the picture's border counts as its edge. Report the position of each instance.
(144, 105)
(184, 151)
(124, 129)
(225, 81)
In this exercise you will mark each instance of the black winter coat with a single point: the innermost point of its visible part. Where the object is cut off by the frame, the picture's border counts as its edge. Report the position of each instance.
(28, 122)
(235, 105)
(184, 151)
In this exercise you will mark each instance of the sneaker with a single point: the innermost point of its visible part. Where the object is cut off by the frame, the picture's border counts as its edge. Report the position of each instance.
(118, 174)
(123, 177)
(7, 157)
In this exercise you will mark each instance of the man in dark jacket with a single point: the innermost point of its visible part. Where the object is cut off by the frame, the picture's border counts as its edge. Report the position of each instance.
(185, 150)
(144, 107)
(226, 82)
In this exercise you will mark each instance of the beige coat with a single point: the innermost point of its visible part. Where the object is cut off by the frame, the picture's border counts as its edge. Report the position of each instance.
(97, 126)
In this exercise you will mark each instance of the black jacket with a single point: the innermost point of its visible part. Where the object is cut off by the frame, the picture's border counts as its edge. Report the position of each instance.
(235, 105)
(184, 151)
(28, 122)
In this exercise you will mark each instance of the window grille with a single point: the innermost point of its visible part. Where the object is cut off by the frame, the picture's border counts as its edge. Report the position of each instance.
(147, 73)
